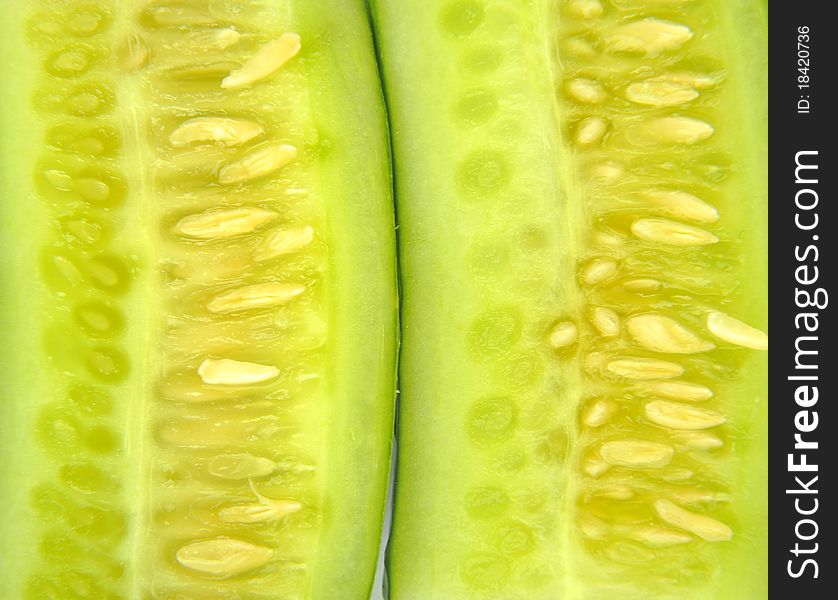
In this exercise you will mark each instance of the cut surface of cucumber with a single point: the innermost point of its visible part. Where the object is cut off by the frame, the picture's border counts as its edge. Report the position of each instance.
(198, 300)
(581, 191)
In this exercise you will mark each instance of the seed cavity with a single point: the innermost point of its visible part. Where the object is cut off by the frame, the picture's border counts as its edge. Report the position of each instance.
(223, 557)
(707, 528)
(636, 454)
(591, 130)
(284, 241)
(598, 270)
(659, 333)
(563, 334)
(267, 60)
(264, 295)
(585, 91)
(660, 92)
(605, 321)
(225, 371)
(599, 412)
(257, 163)
(648, 36)
(677, 130)
(734, 331)
(664, 231)
(679, 390)
(217, 223)
(644, 368)
(237, 467)
(681, 416)
(222, 130)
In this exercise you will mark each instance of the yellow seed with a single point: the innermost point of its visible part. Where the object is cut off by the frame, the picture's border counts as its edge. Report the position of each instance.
(134, 53)
(223, 557)
(591, 130)
(578, 47)
(92, 189)
(606, 321)
(584, 9)
(238, 467)
(698, 440)
(649, 36)
(679, 390)
(224, 371)
(615, 492)
(258, 513)
(215, 39)
(659, 92)
(594, 466)
(734, 331)
(683, 205)
(660, 333)
(223, 223)
(659, 537)
(598, 270)
(644, 368)
(267, 60)
(257, 163)
(563, 334)
(250, 297)
(60, 180)
(636, 454)
(599, 412)
(681, 416)
(222, 130)
(586, 91)
(643, 285)
(608, 172)
(697, 81)
(695, 496)
(707, 528)
(678, 130)
(664, 231)
(284, 241)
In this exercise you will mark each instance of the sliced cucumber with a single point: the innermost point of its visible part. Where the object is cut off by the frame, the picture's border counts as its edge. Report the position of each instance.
(198, 300)
(581, 192)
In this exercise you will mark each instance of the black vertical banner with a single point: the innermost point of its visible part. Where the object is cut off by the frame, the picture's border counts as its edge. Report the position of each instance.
(802, 174)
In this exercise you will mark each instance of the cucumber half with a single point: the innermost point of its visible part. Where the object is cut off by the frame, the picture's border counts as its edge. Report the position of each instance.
(581, 190)
(198, 300)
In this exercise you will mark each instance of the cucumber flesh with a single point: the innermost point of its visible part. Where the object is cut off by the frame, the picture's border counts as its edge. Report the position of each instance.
(198, 299)
(581, 192)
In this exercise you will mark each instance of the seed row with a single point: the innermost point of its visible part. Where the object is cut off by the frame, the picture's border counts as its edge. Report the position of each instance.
(647, 436)
(79, 180)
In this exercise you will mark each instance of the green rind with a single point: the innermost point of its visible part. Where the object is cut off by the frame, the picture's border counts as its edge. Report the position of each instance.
(363, 298)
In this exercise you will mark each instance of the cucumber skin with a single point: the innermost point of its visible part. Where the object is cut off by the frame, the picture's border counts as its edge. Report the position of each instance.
(360, 220)
(413, 548)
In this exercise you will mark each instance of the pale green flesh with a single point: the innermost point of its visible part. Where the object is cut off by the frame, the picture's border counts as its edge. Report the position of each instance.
(500, 211)
(114, 470)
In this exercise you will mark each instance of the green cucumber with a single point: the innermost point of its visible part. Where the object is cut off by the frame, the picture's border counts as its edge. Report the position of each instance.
(581, 192)
(198, 300)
